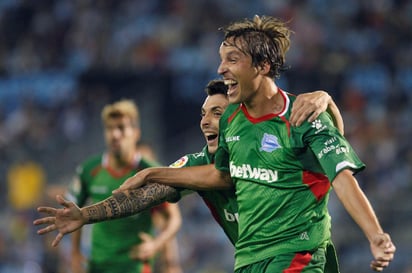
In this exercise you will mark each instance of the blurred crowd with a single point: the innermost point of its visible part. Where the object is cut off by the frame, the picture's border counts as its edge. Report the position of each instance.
(62, 60)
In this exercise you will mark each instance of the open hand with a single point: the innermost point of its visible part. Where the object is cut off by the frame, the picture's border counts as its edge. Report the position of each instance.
(65, 220)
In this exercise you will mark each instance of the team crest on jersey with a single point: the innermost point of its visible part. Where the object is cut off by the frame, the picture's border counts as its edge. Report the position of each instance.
(269, 143)
(180, 162)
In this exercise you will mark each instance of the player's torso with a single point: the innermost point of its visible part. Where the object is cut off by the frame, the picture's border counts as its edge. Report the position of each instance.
(221, 203)
(267, 161)
(113, 238)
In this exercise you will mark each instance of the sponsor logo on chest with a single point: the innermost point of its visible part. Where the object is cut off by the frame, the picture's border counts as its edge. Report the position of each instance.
(245, 171)
(231, 217)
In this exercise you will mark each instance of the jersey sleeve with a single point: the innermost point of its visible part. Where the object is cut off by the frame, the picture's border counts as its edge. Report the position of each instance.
(332, 150)
(189, 160)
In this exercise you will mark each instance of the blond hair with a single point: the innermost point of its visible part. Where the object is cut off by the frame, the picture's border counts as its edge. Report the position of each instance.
(266, 39)
(122, 108)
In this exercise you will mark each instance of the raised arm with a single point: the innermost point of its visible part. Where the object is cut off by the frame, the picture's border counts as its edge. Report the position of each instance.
(308, 106)
(358, 206)
(122, 204)
(205, 177)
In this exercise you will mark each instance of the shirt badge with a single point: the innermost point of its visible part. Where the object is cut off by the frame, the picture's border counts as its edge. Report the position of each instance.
(269, 143)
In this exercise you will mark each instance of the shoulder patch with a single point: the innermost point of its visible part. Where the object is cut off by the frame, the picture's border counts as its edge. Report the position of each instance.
(180, 162)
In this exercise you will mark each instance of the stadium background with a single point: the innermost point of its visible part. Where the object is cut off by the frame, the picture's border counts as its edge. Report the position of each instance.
(61, 60)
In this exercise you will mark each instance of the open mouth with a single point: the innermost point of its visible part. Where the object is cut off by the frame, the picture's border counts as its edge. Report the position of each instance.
(231, 84)
(211, 137)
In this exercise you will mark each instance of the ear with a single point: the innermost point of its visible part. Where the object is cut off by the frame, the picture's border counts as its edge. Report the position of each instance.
(264, 68)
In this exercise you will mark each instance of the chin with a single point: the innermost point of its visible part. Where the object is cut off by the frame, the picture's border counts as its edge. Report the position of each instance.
(233, 100)
(212, 150)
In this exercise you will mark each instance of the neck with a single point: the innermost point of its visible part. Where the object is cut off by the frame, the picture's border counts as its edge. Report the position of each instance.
(267, 100)
(117, 161)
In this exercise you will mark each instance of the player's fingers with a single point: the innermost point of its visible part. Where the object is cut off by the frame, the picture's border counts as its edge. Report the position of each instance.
(44, 220)
(125, 186)
(57, 240)
(62, 201)
(314, 115)
(47, 210)
(301, 116)
(296, 117)
(390, 249)
(47, 229)
(379, 265)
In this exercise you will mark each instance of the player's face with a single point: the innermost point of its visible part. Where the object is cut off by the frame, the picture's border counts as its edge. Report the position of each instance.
(241, 77)
(211, 111)
(121, 136)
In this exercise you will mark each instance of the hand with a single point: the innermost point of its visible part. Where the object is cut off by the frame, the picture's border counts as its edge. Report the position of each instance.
(65, 220)
(309, 106)
(146, 249)
(133, 182)
(383, 251)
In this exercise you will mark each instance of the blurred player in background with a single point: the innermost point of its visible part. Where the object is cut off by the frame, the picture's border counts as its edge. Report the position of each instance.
(124, 245)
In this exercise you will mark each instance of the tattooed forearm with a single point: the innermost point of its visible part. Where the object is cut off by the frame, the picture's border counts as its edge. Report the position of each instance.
(130, 202)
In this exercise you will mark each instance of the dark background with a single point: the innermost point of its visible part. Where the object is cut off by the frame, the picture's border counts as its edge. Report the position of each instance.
(61, 61)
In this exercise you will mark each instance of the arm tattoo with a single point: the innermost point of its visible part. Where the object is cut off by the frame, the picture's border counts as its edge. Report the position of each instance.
(130, 202)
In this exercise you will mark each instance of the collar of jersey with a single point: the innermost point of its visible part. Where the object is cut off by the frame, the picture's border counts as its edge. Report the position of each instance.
(271, 115)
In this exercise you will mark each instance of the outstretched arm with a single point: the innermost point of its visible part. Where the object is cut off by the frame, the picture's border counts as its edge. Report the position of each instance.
(358, 206)
(190, 178)
(122, 204)
(308, 106)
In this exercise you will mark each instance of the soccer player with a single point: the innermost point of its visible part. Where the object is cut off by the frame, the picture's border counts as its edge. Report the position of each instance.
(282, 174)
(125, 245)
(221, 203)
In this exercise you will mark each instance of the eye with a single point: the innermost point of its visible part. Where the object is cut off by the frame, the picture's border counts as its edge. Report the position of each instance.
(217, 114)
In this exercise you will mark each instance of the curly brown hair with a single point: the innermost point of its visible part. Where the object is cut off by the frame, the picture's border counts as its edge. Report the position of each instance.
(266, 39)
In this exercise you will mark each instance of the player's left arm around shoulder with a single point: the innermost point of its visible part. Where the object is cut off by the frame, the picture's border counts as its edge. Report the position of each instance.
(204, 177)
(308, 106)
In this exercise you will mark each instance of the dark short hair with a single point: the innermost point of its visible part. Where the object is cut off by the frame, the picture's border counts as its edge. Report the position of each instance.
(215, 87)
